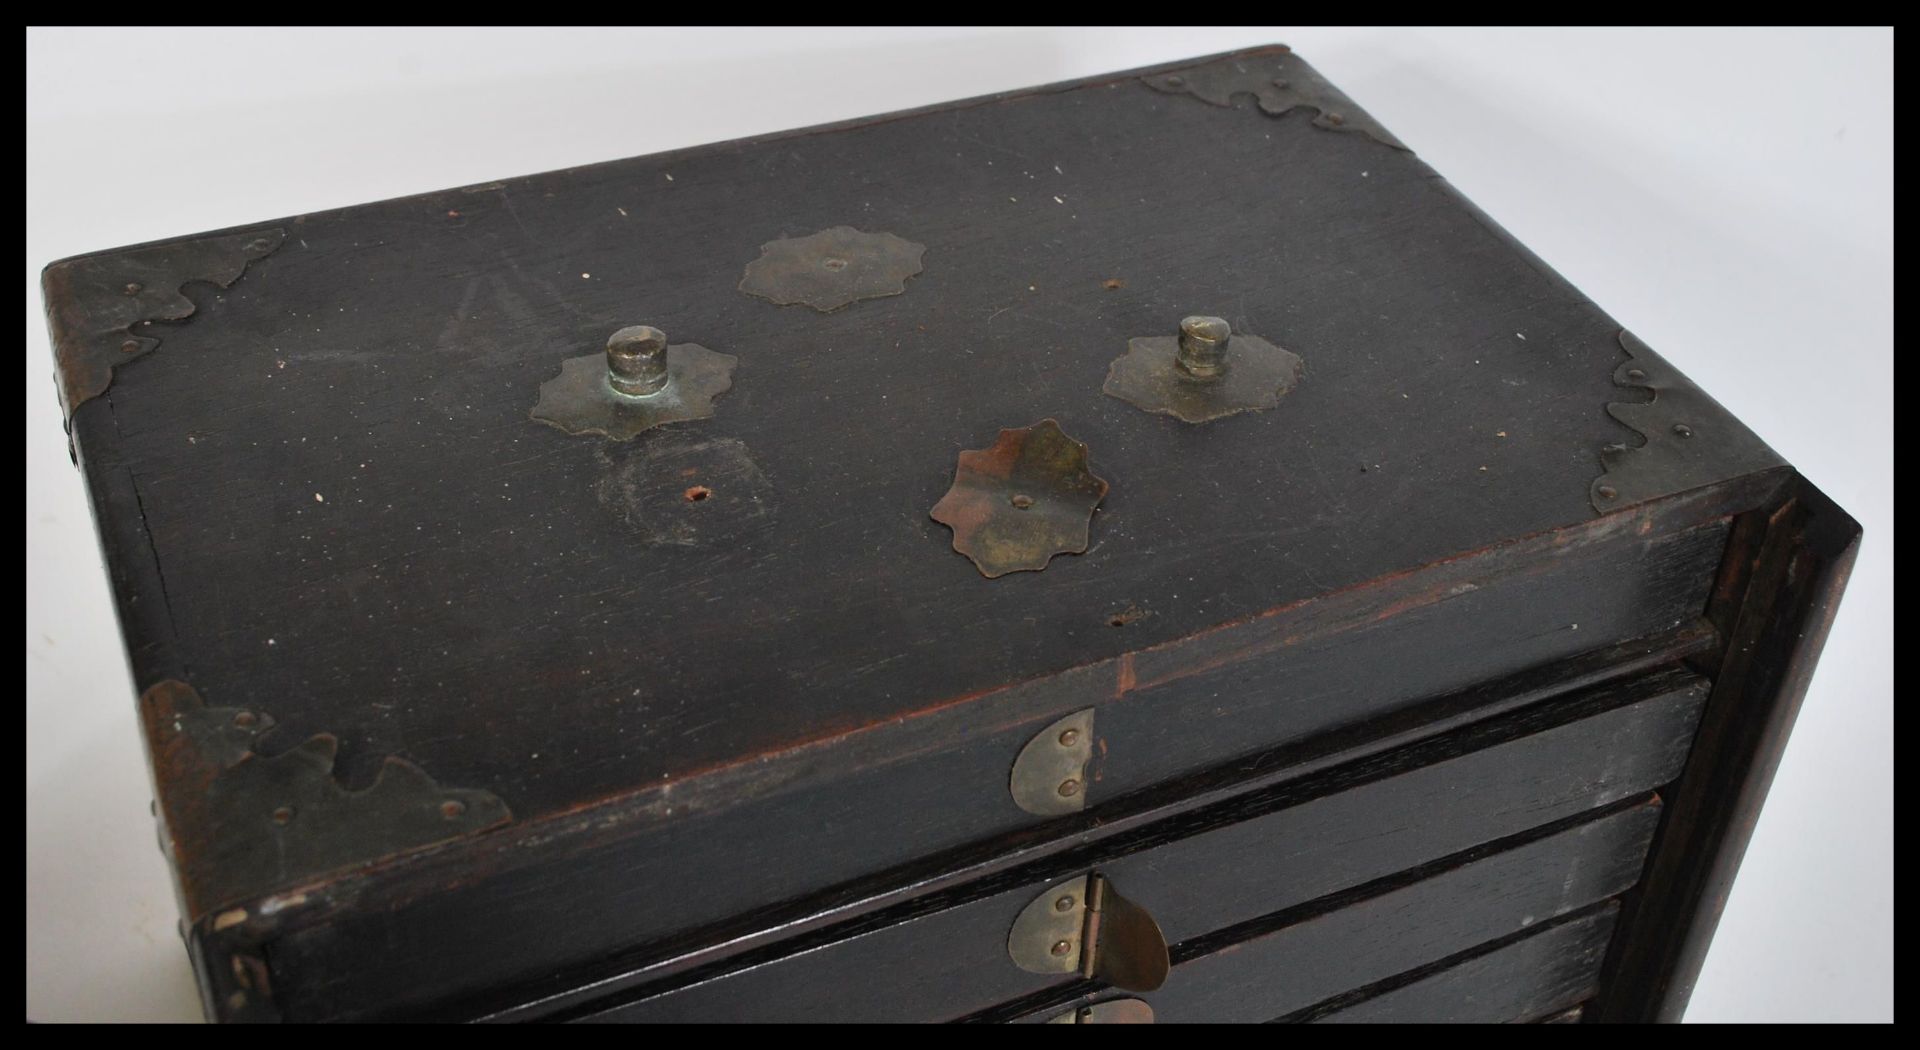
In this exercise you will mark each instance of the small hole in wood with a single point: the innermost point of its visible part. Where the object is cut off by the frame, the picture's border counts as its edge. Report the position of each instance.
(697, 493)
(1125, 616)
(283, 815)
(834, 264)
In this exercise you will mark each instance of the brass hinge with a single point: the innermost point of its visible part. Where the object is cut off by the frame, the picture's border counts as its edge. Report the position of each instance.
(1085, 926)
(1112, 1011)
(1050, 774)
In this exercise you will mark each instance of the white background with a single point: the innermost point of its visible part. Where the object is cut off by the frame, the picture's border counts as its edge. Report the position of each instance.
(1727, 195)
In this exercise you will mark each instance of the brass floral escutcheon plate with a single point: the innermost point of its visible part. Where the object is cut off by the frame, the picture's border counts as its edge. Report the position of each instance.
(1014, 506)
(1207, 372)
(663, 384)
(832, 268)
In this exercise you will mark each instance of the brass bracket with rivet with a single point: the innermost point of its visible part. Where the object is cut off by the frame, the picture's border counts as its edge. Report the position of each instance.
(1206, 372)
(1688, 439)
(1084, 926)
(1279, 84)
(1050, 773)
(637, 383)
(258, 823)
(110, 308)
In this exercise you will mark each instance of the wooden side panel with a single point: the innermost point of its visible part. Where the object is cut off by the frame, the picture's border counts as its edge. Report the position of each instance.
(1538, 976)
(1779, 595)
(1359, 824)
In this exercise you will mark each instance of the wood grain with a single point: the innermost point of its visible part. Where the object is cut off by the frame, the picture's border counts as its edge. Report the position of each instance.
(1535, 977)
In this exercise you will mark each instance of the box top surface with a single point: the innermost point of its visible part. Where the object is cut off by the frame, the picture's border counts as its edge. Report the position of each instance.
(325, 498)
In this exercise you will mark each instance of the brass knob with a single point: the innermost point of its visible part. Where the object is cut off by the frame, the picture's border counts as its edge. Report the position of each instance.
(637, 360)
(1203, 346)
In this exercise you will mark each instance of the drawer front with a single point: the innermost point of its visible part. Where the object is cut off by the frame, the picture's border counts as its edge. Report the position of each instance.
(1536, 977)
(1356, 943)
(1250, 857)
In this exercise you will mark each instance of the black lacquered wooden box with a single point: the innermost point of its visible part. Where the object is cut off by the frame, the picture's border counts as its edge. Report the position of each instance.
(1140, 549)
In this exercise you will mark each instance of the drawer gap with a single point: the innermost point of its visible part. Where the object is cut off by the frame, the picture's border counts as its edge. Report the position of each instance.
(1591, 926)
